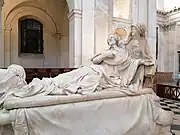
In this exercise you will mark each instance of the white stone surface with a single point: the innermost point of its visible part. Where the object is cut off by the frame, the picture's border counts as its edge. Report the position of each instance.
(160, 4)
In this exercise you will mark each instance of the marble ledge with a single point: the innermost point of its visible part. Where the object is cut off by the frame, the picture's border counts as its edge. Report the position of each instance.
(31, 56)
(122, 20)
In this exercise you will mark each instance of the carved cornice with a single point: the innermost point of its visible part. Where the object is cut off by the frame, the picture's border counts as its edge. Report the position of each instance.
(169, 12)
(161, 12)
(174, 10)
(167, 25)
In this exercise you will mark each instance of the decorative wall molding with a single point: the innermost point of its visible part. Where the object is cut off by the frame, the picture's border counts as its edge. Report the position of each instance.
(33, 12)
(160, 12)
(122, 20)
(57, 35)
(167, 25)
(74, 13)
(168, 19)
(169, 12)
(7, 29)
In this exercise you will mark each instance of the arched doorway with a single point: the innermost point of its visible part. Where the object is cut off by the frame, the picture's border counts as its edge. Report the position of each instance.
(42, 38)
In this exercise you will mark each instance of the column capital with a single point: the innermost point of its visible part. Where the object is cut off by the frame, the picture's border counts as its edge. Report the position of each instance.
(74, 13)
(7, 29)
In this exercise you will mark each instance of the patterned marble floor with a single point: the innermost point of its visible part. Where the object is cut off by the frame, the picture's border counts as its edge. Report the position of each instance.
(171, 105)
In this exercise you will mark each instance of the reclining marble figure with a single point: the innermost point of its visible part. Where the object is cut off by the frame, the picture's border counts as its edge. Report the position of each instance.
(112, 96)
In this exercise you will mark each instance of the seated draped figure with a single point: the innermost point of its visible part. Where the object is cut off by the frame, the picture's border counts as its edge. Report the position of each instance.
(127, 67)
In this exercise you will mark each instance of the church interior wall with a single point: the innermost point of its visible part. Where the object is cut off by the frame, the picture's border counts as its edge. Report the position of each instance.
(169, 36)
(72, 37)
(53, 15)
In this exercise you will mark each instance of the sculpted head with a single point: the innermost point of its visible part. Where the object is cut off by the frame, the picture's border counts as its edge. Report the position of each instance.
(12, 77)
(138, 29)
(112, 40)
(17, 70)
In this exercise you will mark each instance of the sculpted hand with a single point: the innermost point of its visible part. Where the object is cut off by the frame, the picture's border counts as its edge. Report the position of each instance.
(100, 57)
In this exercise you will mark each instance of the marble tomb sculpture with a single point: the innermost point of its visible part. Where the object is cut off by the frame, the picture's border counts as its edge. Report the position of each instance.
(113, 96)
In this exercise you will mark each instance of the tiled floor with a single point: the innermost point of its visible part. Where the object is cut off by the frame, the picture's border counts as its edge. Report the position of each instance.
(171, 105)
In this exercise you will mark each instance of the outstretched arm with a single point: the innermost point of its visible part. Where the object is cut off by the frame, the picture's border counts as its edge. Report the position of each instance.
(99, 58)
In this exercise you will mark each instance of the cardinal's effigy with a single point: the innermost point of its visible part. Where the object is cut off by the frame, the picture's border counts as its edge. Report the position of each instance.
(112, 96)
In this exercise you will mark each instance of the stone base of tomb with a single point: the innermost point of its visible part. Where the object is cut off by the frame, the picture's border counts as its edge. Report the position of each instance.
(103, 113)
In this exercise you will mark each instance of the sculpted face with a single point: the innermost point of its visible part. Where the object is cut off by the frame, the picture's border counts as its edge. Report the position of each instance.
(112, 40)
(134, 31)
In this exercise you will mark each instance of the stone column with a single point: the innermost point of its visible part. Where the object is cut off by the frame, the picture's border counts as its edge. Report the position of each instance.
(75, 38)
(161, 48)
(103, 19)
(173, 56)
(151, 26)
(110, 17)
(7, 47)
(163, 62)
(87, 31)
(178, 44)
(135, 10)
(143, 11)
(1, 37)
(139, 11)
